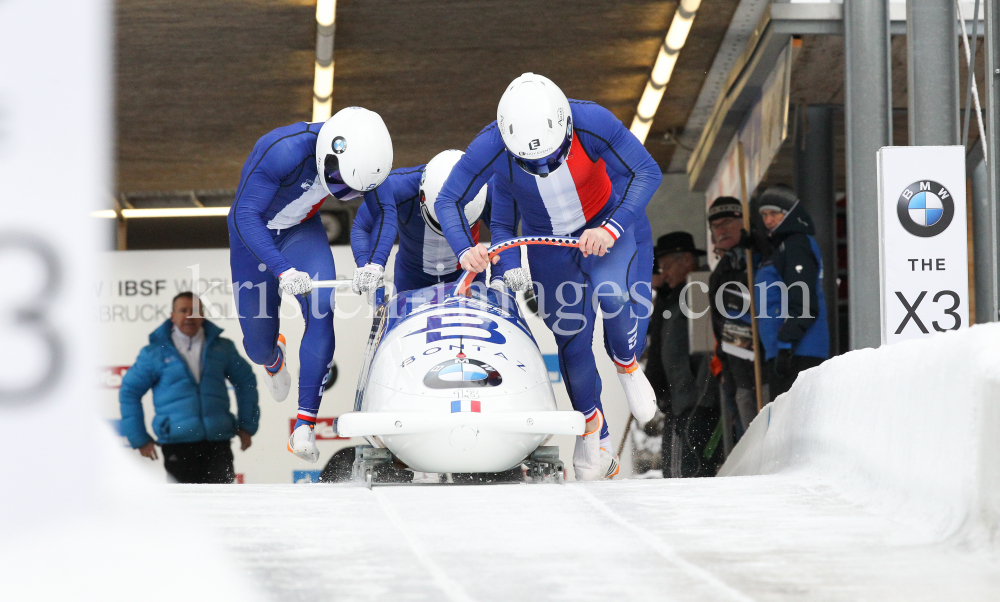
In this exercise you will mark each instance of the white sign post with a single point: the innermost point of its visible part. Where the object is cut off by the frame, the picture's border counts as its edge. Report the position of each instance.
(923, 246)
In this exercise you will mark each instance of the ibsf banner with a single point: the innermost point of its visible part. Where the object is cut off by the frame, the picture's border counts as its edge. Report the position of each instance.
(923, 246)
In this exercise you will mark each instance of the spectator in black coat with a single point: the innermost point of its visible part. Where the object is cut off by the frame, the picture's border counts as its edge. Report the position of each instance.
(733, 336)
(689, 393)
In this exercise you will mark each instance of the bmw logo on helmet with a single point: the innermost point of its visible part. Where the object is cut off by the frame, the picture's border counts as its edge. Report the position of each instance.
(339, 145)
(925, 208)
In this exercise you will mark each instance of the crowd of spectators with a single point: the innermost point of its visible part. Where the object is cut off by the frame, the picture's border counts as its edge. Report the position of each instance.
(703, 394)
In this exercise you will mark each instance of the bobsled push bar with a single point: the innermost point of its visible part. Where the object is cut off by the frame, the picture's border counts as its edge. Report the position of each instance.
(337, 284)
(554, 241)
(467, 277)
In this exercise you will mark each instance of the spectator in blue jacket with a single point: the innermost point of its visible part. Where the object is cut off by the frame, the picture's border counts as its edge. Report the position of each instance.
(796, 337)
(186, 364)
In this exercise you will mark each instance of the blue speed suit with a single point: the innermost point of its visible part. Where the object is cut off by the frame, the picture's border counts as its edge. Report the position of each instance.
(274, 226)
(424, 257)
(575, 197)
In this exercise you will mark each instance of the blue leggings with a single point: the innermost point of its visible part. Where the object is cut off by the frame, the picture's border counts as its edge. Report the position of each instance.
(306, 247)
(568, 286)
(644, 259)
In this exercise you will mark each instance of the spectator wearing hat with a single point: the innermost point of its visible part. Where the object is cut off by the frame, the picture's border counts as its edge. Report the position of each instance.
(796, 339)
(686, 392)
(730, 323)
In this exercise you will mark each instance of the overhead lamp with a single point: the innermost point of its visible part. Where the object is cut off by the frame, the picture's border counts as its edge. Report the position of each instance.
(176, 212)
(663, 68)
(326, 11)
(104, 214)
(326, 15)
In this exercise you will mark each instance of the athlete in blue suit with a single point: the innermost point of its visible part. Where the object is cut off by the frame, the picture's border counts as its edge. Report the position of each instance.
(277, 242)
(424, 257)
(538, 131)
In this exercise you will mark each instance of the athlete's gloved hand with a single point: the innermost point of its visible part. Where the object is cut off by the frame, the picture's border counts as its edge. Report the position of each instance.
(367, 279)
(294, 282)
(475, 259)
(498, 285)
(517, 279)
(596, 241)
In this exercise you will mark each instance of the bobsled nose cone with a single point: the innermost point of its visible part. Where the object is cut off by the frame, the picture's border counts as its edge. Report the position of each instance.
(463, 438)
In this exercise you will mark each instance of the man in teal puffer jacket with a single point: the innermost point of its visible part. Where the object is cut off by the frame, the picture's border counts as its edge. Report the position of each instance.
(186, 364)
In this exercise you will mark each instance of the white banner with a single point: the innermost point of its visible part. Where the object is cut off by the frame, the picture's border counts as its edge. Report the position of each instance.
(923, 242)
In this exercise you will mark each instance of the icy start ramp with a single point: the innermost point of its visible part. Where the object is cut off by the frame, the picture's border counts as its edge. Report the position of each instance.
(874, 478)
(759, 538)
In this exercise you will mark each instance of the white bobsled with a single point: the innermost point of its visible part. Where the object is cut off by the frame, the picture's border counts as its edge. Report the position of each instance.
(453, 380)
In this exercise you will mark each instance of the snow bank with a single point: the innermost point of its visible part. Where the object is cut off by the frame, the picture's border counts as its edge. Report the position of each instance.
(911, 430)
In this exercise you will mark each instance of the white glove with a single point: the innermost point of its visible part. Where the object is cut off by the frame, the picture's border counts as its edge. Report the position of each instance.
(294, 282)
(517, 279)
(498, 285)
(367, 279)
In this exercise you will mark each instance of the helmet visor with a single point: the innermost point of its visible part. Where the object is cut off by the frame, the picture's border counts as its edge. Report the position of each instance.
(334, 183)
(544, 166)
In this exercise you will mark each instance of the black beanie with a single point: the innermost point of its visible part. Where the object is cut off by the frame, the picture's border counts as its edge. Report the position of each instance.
(725, 206)
(778, 198)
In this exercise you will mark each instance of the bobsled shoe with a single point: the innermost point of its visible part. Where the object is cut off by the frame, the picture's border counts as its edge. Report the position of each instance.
(587, 454)
(609, 461)
(638, 391)
(279, 381)
(302, 443)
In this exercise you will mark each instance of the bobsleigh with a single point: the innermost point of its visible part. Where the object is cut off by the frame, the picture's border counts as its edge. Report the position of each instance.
(453, 382)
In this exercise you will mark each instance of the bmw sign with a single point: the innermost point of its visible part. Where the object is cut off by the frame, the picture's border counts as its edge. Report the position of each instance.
(925, 208)
(923, 242)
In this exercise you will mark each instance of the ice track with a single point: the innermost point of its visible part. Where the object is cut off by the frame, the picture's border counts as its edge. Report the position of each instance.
(741, 538)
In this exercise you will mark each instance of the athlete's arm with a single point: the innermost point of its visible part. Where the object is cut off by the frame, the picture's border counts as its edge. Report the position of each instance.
(503, 226)
(468, 176)
(253, 198)
(361, 231)
(381, 203)
(603, 135)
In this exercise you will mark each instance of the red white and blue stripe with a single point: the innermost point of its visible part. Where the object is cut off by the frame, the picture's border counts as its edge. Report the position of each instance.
(465, 405)
(306, 416)
(605, 182)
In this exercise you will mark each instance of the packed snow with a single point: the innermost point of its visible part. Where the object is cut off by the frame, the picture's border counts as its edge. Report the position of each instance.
(875, 478)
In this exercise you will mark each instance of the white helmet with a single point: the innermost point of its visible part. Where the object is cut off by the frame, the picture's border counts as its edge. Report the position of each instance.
(535, 123)
(431, 182)
(353, 148)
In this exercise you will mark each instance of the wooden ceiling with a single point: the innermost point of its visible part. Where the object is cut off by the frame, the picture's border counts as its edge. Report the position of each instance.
(200, 80)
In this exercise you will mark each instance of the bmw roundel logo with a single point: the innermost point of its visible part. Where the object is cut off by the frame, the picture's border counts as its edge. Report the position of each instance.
(925, 208)
(339, 145)
(462, 372)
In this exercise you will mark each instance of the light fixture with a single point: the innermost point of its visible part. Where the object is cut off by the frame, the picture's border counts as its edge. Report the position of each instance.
(104, 214)
(666, 59)
(326, 15)
(176, 212)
